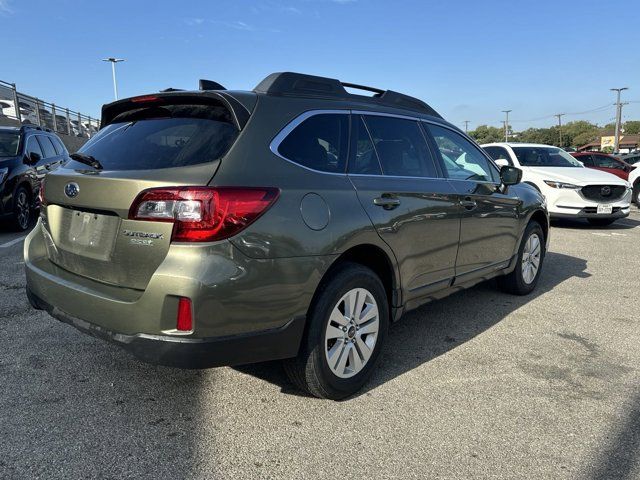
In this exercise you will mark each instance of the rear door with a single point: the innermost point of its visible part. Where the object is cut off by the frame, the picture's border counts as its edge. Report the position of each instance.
(412, 207)
(489, 226)
(149, 145)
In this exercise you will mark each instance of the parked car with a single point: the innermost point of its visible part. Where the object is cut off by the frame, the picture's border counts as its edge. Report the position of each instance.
(632, 159)
(291, 222)
(634, 180)
(571, 190)
(27, 154)
(604, 162)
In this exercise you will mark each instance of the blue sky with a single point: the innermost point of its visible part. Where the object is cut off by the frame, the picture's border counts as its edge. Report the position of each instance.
(468, 59)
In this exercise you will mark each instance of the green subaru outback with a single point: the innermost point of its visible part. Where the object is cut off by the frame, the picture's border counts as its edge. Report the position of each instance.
(295, 222)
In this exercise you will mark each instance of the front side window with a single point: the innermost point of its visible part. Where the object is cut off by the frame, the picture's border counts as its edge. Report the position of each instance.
(320, 142)
(544, 157)
(9, 142)
(462, 160)
(401, 147)
(586, 160)
(163, 137)
(34, 147)
(603, 161)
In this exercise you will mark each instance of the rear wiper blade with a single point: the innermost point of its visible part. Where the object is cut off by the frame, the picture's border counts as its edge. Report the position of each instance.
(87, 160)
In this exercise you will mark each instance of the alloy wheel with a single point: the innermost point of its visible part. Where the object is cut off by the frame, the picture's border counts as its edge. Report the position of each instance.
(531, 258)
(351, 333)
(22, 209)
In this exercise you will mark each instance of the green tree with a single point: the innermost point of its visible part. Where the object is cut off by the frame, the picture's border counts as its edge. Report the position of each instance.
(487, 134)
(632, 127)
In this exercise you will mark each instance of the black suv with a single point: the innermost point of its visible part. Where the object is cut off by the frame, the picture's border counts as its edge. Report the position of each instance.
(27, 154)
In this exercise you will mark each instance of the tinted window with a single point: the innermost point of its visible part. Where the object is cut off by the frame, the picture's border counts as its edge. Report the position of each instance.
(365, 161)
(163, 137)
(544, 157)
(47, 146)
(632, 160)
(498, 153)
(320, 142)
(606, 162)
(60, 149)
(586, 159)
(9, 142)
(33, 146)
(401, 147)
(462, 159)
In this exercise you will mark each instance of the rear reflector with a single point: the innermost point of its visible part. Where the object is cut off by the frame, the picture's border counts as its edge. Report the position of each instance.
(203, 214)
(185, 320)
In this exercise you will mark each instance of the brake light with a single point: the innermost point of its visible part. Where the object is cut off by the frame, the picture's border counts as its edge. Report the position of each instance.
(145, 99)
(203, 214)
(184, 322)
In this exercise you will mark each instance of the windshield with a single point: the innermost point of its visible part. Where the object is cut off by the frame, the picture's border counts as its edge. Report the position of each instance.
(545, 157)
(166, 137)
(9, 142)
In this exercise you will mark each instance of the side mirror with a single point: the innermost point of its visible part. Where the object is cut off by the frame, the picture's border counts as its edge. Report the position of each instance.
(32, 158)
(510, 175)
(501, 162)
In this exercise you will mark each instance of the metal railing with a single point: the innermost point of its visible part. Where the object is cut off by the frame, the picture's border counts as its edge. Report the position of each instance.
(28, 110)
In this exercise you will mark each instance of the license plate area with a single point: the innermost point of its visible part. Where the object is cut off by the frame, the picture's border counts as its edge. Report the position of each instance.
(88, 234)
(604, 209)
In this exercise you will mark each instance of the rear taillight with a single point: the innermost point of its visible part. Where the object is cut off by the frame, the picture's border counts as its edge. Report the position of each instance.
(184, 322)
(203, 214)
(41, 198)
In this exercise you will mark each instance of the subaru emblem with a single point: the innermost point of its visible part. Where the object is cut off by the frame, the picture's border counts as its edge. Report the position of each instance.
(71, 190)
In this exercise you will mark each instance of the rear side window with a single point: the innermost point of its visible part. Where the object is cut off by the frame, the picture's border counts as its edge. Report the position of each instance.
(401, 147)
(498, 153)
(47, 146)
(163, 137)
(320, 142)
(365, 161)
(60, 149)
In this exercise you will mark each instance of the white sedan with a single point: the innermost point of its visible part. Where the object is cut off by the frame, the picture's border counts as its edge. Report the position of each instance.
(571, 189)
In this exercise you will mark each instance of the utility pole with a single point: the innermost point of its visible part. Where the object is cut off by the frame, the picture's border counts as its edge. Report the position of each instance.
(466, 126)
(506, 125)
(559, 115)
(618, 117)
(113, 72)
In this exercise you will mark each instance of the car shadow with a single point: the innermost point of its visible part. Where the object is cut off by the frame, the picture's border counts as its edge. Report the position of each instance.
(439, 327)
(620, 224)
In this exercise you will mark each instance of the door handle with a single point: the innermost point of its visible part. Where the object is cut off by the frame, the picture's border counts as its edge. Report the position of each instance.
(388, 203)
(468, 203)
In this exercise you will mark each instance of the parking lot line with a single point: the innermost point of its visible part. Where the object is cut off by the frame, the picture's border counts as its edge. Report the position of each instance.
(13, 242)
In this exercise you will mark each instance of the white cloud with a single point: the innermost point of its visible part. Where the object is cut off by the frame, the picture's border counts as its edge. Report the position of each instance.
(5, 6)
(191, 22)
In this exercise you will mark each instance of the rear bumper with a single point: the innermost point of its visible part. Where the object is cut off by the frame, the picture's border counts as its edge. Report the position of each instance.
(180, 352)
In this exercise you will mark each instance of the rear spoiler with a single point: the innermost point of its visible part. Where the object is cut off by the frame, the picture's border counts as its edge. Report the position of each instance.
(238, 111)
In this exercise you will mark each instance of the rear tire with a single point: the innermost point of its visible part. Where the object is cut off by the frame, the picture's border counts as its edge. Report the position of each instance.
(636, 193)
(524, 278)
(346, 328)
(22, 211)
(601, 222)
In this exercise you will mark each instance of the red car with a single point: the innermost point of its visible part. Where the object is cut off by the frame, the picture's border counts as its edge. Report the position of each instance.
(604, 162)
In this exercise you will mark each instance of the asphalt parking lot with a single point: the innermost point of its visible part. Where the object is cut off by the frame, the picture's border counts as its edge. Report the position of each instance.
(479, 385)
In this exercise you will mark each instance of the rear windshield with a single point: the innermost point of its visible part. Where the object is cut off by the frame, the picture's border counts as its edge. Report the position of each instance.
(163, 137)
(9, 142)
(544, 157)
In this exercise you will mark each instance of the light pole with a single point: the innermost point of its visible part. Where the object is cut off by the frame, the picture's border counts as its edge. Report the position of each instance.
(113, 62)
(559, 115)
(618, 117)
(506, 125)
(466, 126)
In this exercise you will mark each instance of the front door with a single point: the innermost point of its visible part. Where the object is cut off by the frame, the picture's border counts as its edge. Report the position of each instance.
(413, 208)
(489, 226)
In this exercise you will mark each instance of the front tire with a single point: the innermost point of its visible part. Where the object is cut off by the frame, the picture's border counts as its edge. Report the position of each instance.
(525, 276)
(600, 222)
(347, 327)
(22, 211)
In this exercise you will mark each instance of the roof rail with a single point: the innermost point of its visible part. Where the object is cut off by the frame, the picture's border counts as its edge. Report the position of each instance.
(300, 84)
